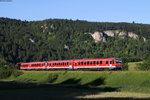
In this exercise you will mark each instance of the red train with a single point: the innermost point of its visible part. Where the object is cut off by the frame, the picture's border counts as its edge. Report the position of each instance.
(103, 63)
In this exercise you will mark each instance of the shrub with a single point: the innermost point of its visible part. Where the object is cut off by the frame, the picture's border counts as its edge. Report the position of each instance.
(144, 66)
(146, 63)
(125, 66)
(17, 73)
(5, 72)
(7, 69)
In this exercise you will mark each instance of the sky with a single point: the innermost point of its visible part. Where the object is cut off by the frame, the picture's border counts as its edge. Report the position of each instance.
(90, 10)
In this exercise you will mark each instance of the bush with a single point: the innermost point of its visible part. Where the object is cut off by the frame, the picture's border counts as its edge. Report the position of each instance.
(144, 66)
(146, 63)
(7, 69)
(17, 73)
(5, 72)
(125, 66)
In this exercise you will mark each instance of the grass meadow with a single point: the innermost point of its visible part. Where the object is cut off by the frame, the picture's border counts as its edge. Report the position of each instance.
(89, 85)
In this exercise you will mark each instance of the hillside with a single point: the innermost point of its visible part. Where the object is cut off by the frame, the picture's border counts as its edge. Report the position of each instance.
(131, 81)
(53, 39)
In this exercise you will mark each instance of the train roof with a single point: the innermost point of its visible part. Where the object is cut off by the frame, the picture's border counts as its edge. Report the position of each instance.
(68, 60)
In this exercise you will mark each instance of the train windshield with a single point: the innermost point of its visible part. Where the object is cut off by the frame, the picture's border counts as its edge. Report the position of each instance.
(118, 61)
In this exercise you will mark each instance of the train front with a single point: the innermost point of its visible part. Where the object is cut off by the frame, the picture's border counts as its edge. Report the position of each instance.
(119, 63)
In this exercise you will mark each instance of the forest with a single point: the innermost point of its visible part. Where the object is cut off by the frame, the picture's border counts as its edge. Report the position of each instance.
(60, 39)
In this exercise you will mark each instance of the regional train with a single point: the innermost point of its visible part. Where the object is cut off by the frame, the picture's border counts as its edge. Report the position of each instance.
(102, 63)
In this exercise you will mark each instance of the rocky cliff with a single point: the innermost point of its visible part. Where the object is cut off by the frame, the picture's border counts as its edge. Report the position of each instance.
(101, 36)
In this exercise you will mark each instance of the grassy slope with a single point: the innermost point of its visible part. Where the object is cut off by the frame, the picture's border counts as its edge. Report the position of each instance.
(132, 66)
(137, 81)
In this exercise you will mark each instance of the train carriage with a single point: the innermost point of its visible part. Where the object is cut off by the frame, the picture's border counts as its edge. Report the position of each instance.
(103, 63)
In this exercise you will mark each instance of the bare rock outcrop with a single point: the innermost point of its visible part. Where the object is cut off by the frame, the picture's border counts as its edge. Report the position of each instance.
(132, 35)
(98, 37)
(101, 36)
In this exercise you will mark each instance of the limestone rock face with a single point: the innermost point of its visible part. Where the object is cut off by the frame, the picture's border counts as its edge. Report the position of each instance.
(98, 37)
(132, 35)
(101, 36)
(111, 33)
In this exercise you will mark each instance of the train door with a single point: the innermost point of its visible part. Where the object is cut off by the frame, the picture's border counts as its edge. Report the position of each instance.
(70, 65)
(110, 63)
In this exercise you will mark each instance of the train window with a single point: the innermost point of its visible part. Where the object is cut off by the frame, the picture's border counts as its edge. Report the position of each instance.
(106, 61)
(87, 62)
(70, 63)
(81, 63)
(100, 62)
(78, 63)
(94, 62)
(111, 62)
(97, 62)
(91, 62)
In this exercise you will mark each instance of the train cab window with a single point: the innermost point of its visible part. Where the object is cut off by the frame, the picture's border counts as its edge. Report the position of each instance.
(106, 61)
(111, 62)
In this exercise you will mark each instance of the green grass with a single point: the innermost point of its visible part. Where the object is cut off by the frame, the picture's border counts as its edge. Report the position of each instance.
(134, 81)
(132, 66)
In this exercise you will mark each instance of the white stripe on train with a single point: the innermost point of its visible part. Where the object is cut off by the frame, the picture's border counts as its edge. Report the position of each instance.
(110, 67)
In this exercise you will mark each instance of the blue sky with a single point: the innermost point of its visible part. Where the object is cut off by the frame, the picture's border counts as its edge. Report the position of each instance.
(90, 10)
